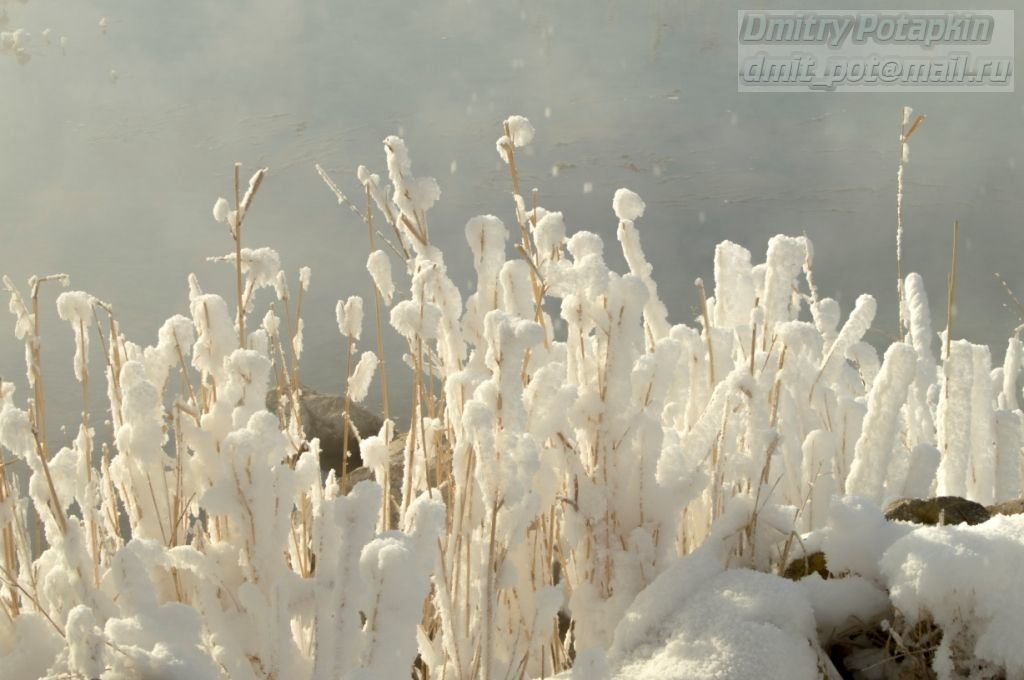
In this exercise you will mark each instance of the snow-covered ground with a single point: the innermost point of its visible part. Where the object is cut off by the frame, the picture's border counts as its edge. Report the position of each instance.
(589, 487)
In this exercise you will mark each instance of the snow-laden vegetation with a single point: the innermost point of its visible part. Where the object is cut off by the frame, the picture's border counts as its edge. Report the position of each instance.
(588, 487)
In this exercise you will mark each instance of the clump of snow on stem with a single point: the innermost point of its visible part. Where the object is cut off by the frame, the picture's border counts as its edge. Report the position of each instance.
(359, 383)
(379, 267)
(75, 307)
(349, 315)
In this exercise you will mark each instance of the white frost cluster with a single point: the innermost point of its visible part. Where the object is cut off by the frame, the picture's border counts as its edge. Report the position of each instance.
(519, 133)
(359, 383)
(628, 205)
(75, 307)
(349, 315)
(379, 267)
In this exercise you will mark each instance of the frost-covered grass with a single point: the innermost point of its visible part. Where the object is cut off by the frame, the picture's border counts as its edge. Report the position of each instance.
(571, 450)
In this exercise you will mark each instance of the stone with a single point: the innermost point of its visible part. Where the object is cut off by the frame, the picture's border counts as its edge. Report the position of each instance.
(1014, 507)
(323, 417)
(802, 567)
(939, 510)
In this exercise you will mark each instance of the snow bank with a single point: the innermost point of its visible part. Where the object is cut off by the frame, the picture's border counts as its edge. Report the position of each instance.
(967, 579)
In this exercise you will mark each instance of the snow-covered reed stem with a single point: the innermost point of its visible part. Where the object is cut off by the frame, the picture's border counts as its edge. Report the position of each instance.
(874, 448)
(954, 419)
(907, 128)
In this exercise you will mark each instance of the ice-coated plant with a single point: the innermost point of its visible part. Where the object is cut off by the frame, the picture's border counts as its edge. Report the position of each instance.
(575, 464)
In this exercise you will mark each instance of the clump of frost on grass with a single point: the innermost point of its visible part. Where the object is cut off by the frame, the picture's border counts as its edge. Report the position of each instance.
(379, 266)
(359, 383)
(349, 315)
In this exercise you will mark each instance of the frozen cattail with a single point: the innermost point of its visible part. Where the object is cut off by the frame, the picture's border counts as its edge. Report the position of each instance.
(411, 319)
(854, 329)
(549, 234)
(412, 195)
(220, 210)
(250, 192)
(628, 205)
(888, 394)
(297, 338)
(174, 343)
(271, 324)
(75, 307)
(281, 286)
(379, 267)
(216, 336)
(919, 317)
(399, 163)
(350, 316)
(1008, 459)
(734, 285)
(359, 383)
(486, 236)
(954, 420)
(374, 452)
(786, 256)
(1011, 371)
(503, 146)
(423, 192)
(982, 479)
(371, 182)
(305, 273)
(520, 130)
(261, 266)
(515, 286)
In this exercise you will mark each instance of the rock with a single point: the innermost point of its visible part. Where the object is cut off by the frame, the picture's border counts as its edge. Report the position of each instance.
(814, 563)
(948, 509)
(1015, 507)
(323, 416)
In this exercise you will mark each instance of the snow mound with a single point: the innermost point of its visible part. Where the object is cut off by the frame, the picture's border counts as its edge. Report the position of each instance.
(968, 579)
(737, 624)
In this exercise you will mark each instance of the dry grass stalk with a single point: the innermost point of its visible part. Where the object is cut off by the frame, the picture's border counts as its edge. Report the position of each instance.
(951, 288)
(906, 130)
